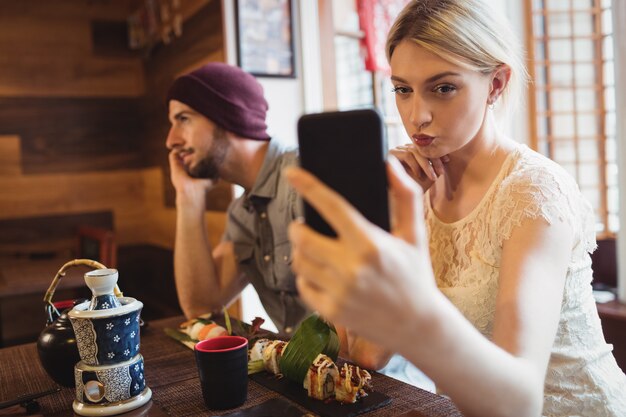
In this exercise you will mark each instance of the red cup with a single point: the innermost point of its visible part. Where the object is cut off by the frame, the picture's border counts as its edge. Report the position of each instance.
(223, 369)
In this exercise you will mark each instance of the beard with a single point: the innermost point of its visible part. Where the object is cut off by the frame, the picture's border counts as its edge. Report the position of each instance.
(209, 166)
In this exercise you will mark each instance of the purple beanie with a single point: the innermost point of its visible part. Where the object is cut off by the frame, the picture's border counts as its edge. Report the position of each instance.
(226, 95)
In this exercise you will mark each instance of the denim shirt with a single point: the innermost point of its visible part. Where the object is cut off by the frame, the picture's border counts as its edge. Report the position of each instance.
(257, 225)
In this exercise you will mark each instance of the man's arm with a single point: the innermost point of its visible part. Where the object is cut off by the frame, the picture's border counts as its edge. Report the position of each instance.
(206, 280)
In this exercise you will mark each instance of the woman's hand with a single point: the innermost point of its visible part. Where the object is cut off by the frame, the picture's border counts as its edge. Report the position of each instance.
(423, 170)
(344, 278)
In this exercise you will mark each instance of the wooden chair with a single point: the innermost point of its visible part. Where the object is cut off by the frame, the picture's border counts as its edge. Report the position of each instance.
(612, 314)
(97, 244)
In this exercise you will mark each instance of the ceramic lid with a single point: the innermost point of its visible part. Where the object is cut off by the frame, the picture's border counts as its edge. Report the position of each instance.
(102, 282)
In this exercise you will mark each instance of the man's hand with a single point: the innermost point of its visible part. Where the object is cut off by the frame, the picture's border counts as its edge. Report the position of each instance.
(184, 184)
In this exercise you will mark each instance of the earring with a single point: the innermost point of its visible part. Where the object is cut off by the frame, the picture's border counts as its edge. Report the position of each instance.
(492, 105)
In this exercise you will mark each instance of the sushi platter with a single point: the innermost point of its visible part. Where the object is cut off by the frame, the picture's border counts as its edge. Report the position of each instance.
(305, 369)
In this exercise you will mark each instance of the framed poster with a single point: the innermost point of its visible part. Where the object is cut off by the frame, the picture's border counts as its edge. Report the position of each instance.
(265, 37)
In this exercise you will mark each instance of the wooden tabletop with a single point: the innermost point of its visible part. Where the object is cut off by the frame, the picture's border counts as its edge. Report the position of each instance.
(171, 374)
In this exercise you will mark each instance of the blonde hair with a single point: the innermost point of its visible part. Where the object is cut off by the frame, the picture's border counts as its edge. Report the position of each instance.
(468, 33)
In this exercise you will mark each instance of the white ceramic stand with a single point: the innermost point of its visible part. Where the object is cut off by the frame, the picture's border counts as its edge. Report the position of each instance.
(113, 408)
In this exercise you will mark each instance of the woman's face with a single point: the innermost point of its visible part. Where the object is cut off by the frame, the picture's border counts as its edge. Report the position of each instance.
(442, 105)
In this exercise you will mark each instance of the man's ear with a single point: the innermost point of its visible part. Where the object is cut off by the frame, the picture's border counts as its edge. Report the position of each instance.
(499, 80)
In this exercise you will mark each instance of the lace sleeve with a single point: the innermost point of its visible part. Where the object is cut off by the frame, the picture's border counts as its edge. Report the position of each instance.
(539, 188)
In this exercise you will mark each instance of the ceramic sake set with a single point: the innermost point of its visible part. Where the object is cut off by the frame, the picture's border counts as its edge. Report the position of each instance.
(109, 378)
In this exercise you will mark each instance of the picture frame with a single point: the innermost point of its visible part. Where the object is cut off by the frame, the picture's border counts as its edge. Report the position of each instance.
(265, 46)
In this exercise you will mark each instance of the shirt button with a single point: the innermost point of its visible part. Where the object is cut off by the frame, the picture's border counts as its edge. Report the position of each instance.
(288, 329)
(263, 215)
(266, 258)
(285, 258)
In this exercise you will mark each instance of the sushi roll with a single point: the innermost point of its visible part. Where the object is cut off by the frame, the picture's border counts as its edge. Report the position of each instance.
(256, 351)
(321, 378)
(272, 354)
(352, 383)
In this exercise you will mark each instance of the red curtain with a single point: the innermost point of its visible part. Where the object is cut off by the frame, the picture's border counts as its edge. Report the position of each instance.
(375, 19)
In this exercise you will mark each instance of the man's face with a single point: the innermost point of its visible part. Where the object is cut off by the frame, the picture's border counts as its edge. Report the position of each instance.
(201, 145)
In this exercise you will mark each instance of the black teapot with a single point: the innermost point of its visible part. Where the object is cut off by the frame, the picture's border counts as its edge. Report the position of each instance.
(56, 345)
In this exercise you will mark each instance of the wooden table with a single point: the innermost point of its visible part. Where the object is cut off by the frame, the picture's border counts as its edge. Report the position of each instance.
(171, 374)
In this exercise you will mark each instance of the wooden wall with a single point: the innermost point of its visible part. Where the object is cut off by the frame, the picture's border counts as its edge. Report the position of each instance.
(82, 127)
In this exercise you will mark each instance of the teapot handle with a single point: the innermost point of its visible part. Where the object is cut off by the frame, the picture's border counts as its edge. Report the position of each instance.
(50, 293)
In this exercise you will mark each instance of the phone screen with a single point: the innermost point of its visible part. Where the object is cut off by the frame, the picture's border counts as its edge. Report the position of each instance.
(346, 150)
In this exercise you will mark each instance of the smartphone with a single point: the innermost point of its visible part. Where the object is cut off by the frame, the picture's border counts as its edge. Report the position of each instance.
(346, 150)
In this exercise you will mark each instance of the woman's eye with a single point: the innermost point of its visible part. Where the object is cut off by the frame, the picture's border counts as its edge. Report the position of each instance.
(400, 90)
(445, 89)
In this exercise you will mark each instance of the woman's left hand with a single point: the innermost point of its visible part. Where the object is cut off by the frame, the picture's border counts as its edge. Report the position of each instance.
(365, 279)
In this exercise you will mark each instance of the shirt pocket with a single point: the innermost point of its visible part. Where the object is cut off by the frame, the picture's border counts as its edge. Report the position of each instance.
(284, 278)
(244, 253)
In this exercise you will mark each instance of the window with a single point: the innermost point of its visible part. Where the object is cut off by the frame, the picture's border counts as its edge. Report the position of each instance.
(572, 100)
(355, 86)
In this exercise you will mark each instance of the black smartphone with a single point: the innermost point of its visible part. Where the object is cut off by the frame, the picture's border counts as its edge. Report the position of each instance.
(346, 150)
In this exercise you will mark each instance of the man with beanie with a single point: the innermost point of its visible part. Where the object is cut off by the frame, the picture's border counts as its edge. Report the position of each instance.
(218, 130)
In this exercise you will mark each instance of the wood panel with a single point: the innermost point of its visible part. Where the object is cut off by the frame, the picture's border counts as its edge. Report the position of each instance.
(51, 54)
(72, 135)
(28, 35)
(135, 197)
(116, 144)
(69, 76)
(77, 9)
(10, 155)
(203, 42)
(22, 232)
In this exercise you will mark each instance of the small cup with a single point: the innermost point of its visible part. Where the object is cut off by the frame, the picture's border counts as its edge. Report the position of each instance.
(223, 369)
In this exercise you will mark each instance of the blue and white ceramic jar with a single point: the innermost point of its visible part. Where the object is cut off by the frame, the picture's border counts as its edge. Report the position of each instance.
(107, 337)
(109, 377)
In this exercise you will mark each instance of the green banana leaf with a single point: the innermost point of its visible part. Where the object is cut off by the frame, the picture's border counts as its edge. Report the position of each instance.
(314, 336)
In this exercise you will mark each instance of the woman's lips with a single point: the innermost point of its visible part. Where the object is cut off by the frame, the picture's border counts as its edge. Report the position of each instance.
(422, 140)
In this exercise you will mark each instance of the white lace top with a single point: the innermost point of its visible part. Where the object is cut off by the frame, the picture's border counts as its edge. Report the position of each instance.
(583, 378)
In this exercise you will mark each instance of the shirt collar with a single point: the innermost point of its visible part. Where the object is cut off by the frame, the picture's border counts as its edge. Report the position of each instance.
(267, 179)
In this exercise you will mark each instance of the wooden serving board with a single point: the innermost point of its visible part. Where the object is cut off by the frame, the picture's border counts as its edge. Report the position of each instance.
(332, 408)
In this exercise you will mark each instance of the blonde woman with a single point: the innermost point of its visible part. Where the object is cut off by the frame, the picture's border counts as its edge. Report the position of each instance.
(491, 295)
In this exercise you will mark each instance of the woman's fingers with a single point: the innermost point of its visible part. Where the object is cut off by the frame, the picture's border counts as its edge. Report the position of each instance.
(438, 167)
(408, 163)
(425, 164)
(317, 247)
(326, 276)
(317, 299)
(342, 217)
